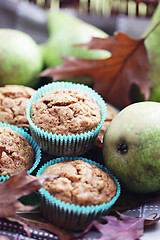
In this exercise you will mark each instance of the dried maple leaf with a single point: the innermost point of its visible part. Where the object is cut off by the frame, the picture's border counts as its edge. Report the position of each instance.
(113, 77)
(113, 227)
(15, 187)
(126, 227)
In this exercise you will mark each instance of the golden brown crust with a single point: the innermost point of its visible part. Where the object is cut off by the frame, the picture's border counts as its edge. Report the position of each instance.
(80, 183)
(13, 103)
(65, 111)
(16, 152)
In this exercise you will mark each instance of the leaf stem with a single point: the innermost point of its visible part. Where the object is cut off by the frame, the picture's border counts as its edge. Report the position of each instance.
(152, 30)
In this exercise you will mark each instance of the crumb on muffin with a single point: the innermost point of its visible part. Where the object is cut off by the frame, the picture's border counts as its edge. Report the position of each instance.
(64, 111)
(80, 183)
(13, 103)
(16, 152)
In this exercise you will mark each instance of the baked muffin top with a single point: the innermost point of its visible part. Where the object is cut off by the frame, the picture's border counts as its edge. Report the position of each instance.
(65, 111)
(13, 103)
(15, 152)
(80, 183)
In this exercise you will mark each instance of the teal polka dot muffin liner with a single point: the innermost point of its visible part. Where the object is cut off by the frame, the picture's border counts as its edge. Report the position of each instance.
(65, 145)
(68, 215)
(31, 141)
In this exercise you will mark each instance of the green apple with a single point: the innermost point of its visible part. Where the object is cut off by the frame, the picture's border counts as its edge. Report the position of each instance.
(65, 31)
(131, 147)
(152, 44)
(20, 58)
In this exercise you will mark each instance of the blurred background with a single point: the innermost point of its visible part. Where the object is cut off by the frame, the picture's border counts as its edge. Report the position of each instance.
(128, 16)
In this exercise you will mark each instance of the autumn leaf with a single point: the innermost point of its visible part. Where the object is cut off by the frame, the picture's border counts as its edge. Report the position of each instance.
(115, 227)
(15, 187)
(36, 221)
(120, 228)
(113, 77)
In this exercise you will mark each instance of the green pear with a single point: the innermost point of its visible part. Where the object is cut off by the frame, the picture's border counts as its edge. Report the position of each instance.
(152, 44)
(131, 147)
(66, 30)
(20, 58)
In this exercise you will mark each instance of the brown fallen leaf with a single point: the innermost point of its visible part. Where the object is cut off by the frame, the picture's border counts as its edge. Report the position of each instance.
(120, 227)
(36, 221)
(113, 77)
(15, 187)
(152, 221)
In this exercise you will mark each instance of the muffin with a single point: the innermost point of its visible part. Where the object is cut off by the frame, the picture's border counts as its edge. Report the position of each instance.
(81, 191)
(13, 103)
(65, 118)
(17, 151)
(111, 113)
(80, 183)
(65, 111)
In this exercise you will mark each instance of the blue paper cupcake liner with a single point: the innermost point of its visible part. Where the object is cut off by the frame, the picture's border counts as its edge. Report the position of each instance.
(68, 215)
(31, 141)
(62, 145)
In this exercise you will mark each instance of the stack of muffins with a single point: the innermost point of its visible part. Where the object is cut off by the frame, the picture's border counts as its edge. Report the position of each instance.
(18, 149)
(65, 119)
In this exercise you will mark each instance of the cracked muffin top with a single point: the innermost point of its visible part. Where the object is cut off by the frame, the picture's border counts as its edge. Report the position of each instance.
(80, 183)
(15, 152)
(13, 103)
(65, 111)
